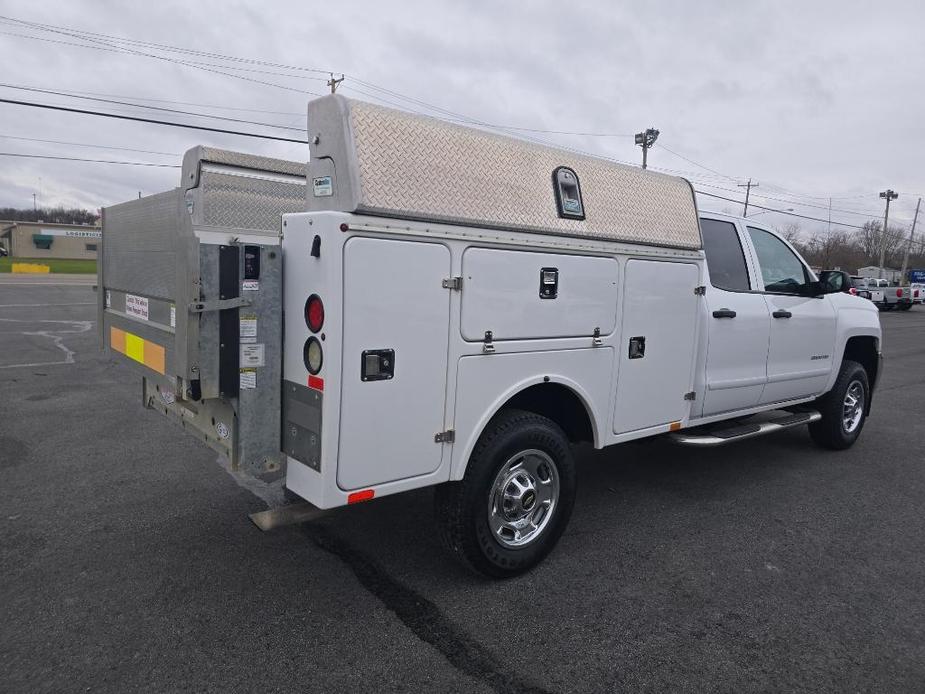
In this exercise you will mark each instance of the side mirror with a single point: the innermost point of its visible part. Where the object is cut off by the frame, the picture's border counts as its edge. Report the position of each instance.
(834, 281)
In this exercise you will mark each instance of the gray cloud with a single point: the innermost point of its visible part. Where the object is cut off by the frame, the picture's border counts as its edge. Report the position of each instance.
(817, 98)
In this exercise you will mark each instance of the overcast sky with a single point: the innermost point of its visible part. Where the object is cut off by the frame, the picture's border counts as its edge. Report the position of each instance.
(810, 99)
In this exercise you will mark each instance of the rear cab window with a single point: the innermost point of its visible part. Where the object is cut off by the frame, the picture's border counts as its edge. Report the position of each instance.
(725, 257)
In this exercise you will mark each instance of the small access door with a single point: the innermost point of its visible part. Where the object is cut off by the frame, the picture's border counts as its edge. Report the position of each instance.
(396, 318)
(656, 356)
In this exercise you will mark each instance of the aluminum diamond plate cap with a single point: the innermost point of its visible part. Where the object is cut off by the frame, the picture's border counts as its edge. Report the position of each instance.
(387, 162)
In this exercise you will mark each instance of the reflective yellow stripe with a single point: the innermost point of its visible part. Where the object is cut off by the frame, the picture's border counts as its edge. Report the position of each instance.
(138, 349)
(135, 348)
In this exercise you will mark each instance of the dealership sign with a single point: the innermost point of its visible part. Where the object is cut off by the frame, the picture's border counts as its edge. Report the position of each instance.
(917, 276)
(90, 233)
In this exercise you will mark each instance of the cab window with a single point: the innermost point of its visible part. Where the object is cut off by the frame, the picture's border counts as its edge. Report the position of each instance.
(725, 258)
(781, 270)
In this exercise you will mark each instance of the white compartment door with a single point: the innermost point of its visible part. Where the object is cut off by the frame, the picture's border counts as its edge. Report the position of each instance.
(393, 301)
(524, 295)
(659, 308)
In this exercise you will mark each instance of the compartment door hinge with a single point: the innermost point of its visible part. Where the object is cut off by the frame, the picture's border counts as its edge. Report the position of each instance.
(453, 283)
(700, 291)
(690, 396)
(448, 436)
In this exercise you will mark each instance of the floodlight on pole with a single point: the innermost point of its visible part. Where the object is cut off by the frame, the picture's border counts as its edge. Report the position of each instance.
(887, 195)
(646, 140)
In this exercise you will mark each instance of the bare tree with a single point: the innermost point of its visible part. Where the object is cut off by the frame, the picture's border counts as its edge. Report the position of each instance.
(792, 232)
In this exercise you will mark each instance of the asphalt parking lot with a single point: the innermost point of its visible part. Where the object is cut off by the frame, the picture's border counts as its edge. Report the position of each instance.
(127, 562)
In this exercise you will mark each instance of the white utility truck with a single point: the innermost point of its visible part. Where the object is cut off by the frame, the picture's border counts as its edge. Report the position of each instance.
(428, 304)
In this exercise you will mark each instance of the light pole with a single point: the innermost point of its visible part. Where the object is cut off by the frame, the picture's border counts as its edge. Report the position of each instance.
(887, 195)
(646, 140)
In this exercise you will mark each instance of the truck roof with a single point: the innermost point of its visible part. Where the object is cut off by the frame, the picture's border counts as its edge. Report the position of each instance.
(370, 159)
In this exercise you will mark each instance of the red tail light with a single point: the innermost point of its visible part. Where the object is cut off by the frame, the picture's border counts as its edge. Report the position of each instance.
(899, 292)
(853, 291)
(916, 294)
(314, 313)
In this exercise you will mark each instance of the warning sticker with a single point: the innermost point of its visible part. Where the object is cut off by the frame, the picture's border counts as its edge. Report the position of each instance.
(173, 316)
(248, 379)
(252, 355)
(136, 306)
(248, 327)
(108, 298)
(250, 285)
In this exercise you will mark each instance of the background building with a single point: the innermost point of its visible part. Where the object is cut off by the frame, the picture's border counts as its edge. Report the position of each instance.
(43, 240)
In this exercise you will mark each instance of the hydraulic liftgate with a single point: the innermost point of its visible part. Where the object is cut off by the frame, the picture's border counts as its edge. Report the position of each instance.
(190, 285)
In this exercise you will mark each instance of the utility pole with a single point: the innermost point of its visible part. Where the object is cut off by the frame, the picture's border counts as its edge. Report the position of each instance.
(909, 246)
(887, 195)
(830, 217)
(748, 189)
(35, 205)
(332, 83)
(646, 140)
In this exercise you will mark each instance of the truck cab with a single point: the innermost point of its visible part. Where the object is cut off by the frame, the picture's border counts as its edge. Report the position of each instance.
(773, 336)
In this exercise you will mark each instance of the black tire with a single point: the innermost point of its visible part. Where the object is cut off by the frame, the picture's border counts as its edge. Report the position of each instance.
(463, 508)
(905, 307)
(832, 431)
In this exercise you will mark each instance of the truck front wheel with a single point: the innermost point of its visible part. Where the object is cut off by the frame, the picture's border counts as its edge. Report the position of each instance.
(843, 409)
(513, 503)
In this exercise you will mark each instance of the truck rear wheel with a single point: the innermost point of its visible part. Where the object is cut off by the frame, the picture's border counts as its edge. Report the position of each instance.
(510, 508)
(843, 409)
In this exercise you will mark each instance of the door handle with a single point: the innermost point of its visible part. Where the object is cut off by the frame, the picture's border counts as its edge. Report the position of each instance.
(782, 314)
(724, 313)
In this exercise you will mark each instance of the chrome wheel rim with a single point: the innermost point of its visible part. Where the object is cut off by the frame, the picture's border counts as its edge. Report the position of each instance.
(523, 498)
(853, 408)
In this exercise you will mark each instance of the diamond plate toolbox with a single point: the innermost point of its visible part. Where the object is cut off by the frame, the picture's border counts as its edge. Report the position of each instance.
(391, 163)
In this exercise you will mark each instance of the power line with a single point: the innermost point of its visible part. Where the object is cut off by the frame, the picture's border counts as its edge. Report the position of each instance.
(151, 108)
(772, 209)
(85, 144)
(702, 166)
(94, 161)
(167, 47)
(149, 120)
(82, 34)
(72, 34)
(797, 202)
(119, 49)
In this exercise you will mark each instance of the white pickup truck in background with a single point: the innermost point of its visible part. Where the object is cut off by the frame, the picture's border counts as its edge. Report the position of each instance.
(885, 295)
(456, 309)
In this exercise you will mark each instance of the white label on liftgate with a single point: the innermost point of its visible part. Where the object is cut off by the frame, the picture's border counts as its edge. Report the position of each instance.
(251, 355)
(322, 186)
(173, 316)
(250, 285)
(248, 379)
(248, 330)
(136, 306)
